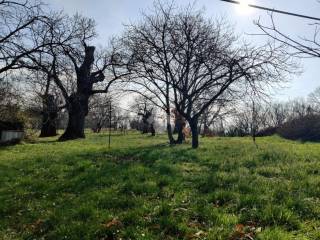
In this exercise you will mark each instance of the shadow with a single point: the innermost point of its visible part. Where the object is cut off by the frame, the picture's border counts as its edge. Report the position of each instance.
(44, 141)
(5, 147)
(155, 187)
(146, 155)
(77, 185)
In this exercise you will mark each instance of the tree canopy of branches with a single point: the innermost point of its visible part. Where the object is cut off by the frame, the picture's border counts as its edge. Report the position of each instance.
(10, 102)
(192, 62)
(17, 21)
(101, 109)
(300, 46)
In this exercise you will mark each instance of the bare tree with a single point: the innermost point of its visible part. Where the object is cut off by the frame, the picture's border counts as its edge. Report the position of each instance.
(314, 100)
(148, 47)
(249, 118)
(10, 101)
(202, 56)
(123, 121)
(76, 68)
(101, 110)
(277, 115)
(44, 99)
(145, 108)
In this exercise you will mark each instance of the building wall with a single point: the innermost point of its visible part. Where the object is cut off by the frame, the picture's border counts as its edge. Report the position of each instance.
(8, 136)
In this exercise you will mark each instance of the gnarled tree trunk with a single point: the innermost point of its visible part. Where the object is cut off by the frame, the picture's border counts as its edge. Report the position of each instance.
(78, 102)
(77, 112)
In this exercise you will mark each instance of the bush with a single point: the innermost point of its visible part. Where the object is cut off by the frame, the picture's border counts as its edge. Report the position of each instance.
(305, 128)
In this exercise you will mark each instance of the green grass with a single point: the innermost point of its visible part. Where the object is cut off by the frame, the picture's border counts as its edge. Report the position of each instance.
(143, 189)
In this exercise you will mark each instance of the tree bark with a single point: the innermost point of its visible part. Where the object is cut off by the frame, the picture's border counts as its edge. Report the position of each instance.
(169, 129)
(178, 128)
(195, 134)
(170, 135)
(206, 130)
(181, 136)
(77, 110)
(78, 102)
(48, 128)
(49, 116)
(153, 131)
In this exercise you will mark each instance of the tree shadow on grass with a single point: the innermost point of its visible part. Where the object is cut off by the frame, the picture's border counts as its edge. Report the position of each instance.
(83, 171)
(139, 187)
(76, 185)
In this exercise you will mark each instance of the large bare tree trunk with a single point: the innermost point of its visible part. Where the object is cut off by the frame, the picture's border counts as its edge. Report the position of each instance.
(78, 103)
(77, 110)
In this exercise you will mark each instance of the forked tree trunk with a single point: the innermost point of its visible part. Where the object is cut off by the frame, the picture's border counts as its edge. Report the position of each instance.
(77, 103)
(194, 131)
(180, 138)
(179, 129)
(77, 112)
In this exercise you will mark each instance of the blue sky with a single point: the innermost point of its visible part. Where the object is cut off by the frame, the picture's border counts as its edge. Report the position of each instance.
(110, 16)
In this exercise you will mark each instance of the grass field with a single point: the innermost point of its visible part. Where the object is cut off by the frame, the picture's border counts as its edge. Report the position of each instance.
(144, 189)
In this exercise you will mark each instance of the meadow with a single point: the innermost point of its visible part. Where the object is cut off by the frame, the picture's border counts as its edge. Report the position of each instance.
(142, 188)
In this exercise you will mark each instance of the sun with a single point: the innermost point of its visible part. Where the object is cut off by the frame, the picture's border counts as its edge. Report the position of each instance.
(243, 8)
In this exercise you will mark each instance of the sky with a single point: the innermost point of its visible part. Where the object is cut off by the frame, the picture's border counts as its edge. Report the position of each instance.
(112, 15)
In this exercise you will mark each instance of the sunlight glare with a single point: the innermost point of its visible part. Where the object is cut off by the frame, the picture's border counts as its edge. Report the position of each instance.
(243, 8)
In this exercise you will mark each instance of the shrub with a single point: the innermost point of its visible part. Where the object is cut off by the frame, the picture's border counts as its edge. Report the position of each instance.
(305, 128)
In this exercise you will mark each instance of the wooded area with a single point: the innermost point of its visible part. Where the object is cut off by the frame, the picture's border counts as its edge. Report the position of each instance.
(182, 64)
